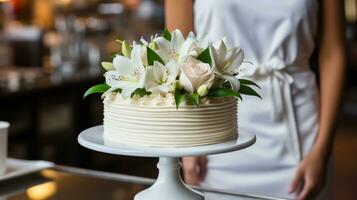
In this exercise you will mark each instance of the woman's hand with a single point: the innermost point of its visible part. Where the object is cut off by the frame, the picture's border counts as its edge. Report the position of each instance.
(309, 176)
(194, 169)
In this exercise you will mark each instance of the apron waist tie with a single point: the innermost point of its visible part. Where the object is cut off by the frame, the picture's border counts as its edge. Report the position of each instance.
(282, 105)
(282, 102)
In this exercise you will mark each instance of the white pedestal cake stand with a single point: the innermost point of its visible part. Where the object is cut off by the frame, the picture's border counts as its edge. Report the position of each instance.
(169, 184)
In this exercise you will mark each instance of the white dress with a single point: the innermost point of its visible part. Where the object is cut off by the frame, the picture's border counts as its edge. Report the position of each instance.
(279, 37)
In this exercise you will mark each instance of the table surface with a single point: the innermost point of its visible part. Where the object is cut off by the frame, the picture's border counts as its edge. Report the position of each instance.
(66, 183)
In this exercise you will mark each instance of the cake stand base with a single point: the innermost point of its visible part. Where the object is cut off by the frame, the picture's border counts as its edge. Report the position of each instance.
(169, 184)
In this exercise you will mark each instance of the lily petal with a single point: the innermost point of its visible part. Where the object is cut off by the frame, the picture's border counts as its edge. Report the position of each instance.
(191, 35)
(156, 79)
(160, 89)
(123, 65)
(112, 78)
(222, 48)
(150, 79)
(213, 54)
(136, 56)
(235, 56)
(159, 71)
(240, 57)
(144, 42)
(173, 68)
(186, 83)
(128, 89)
(163, 48)
(187, 46)
(204, 41)
(177, 40)
(234, 82)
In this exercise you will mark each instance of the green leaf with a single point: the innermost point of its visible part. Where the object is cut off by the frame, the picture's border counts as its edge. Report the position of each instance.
(195, 99)
(224, 92)
(152, 56)
(100, 88)
(248, 82)
(179, 97)
(244, 89)
(205, 56)
(126, 49)
(239, 96)
(107, 66)
(141, 92)
(166, 34)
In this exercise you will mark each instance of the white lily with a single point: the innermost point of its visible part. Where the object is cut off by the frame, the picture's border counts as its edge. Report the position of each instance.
(159, 78)
(202, 42)
(146, 43)
(129, 74)
(178, 49)
(226, 62)
(143, 53)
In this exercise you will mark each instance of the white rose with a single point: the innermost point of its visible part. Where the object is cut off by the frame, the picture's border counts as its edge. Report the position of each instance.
(195, 74)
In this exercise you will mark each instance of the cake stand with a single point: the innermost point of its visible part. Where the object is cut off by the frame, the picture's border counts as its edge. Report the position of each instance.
(169, 184)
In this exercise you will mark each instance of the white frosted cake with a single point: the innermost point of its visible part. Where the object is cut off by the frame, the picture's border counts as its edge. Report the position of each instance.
(173, 91)
(154, 121)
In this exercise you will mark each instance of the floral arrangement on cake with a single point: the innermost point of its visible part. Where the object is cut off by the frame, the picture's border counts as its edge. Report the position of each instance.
(188, 68)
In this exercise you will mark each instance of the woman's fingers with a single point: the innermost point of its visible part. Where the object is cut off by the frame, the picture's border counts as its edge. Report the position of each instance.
(303, 184)
(308, 177)
(190, 172)
(306, 190)
(194, 169)
(297, 181)
(202, 161)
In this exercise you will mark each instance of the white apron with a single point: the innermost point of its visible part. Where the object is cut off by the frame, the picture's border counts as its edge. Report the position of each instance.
(278, 36)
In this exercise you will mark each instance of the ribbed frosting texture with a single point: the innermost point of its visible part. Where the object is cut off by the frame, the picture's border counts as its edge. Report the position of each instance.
(154, 121)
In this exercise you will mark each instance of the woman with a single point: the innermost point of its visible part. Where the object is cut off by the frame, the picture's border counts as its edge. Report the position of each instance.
(294, 121)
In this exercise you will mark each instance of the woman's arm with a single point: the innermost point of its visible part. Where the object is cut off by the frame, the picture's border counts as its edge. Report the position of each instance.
(332, 67)
(179, 15)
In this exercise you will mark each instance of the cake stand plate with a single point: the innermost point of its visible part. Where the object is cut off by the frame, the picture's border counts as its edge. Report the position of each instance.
(169, 184)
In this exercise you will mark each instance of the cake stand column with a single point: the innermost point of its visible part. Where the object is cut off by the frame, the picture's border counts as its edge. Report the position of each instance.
(169, 184)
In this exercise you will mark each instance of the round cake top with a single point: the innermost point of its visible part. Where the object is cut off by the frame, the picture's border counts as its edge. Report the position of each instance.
(159, 100)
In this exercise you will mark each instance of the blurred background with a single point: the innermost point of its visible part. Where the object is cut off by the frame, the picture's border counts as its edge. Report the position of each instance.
(50, 53)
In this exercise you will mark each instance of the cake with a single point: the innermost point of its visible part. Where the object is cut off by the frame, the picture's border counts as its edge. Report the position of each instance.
(173, 91)
(154, 121)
